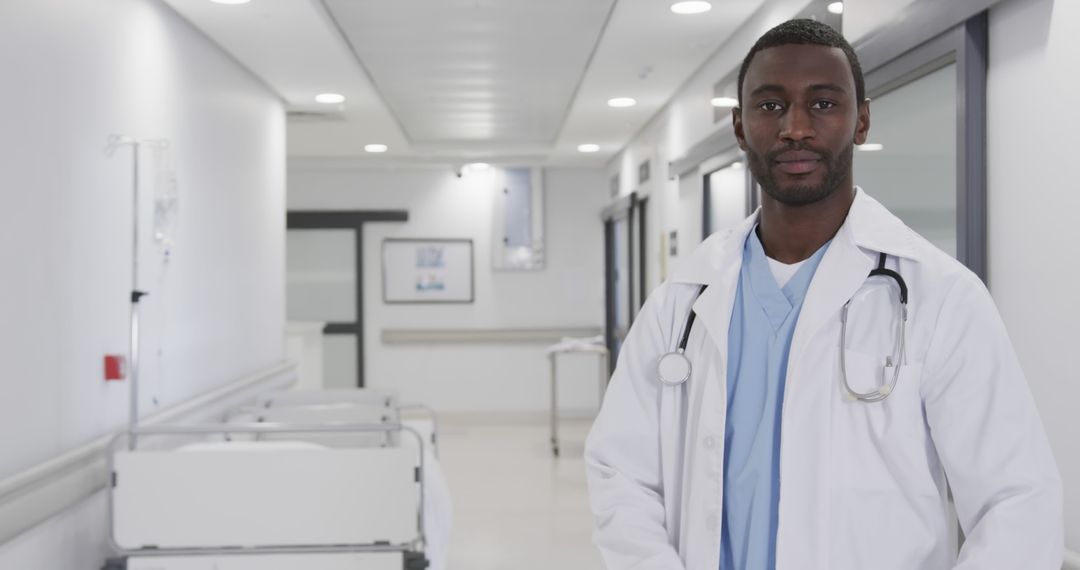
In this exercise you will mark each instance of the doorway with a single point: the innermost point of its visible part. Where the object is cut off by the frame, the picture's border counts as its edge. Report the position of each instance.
(325, 283)
(624, 268)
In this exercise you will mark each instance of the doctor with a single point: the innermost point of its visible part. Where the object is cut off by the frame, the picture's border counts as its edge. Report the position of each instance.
(776, 406)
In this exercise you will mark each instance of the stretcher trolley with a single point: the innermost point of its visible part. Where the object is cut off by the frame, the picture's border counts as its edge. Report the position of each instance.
(265, 505)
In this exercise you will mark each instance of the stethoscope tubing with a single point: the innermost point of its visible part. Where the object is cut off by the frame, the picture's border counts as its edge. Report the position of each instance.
(689, 322)
(868, 397)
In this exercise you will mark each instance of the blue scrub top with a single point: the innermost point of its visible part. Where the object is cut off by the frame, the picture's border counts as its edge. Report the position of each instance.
(759, 340)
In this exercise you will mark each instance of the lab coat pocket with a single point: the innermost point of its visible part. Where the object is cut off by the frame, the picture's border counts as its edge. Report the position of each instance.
(881, 446)
(886, 507)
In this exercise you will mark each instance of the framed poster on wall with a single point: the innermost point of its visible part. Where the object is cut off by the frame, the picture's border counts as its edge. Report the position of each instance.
(427, 270)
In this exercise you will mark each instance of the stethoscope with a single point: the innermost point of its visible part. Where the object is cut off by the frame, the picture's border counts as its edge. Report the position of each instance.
(674, 367)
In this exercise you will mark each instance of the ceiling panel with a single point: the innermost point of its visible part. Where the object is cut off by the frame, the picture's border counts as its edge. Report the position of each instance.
(293, 47)
(452, 80)
(648, 53)
(475, 70)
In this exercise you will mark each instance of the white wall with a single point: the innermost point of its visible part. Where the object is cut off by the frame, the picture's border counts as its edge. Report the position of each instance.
(75, 72)
(568, 292)
(1033, 211)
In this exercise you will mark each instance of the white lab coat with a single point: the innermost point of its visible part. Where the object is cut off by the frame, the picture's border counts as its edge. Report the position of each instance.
(862, 486)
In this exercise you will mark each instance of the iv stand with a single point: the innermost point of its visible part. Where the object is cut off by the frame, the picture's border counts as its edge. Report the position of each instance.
(114, 143)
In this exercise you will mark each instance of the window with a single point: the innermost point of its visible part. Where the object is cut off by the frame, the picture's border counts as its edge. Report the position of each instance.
(929, 113)
(519, 220)
(726, 197)
(913, 171)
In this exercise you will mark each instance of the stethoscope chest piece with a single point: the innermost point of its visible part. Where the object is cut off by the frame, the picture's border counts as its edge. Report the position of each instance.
(673, 368)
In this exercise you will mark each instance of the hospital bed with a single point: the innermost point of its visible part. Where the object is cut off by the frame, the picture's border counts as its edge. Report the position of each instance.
(270, 505)
(329, 407)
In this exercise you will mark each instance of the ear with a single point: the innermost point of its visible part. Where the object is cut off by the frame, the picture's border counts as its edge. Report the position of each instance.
(736, 121)
(862, 122)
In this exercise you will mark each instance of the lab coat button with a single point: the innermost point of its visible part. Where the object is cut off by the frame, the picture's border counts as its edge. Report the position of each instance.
(710, 442)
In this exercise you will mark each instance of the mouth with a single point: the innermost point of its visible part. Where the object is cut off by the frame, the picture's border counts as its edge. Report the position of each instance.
(798, 161)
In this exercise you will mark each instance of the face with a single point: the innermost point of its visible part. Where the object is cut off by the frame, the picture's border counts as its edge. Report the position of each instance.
(799, 122)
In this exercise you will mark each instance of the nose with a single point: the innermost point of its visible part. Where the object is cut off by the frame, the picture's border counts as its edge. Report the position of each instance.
(796, 124)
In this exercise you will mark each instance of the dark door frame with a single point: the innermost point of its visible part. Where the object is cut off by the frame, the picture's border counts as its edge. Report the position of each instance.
(347, 220)
(642, 205)
(632, 207)
(609, 291)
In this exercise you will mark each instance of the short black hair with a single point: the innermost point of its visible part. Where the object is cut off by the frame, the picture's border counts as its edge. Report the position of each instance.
(806, 32)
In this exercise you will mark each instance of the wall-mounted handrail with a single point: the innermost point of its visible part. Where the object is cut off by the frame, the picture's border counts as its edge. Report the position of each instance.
(485, 336)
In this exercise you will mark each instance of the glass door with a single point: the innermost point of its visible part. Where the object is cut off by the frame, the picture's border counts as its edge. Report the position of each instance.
(324, 283)
(910, 159)
(726, 198)
(321, 286)
(624, 260)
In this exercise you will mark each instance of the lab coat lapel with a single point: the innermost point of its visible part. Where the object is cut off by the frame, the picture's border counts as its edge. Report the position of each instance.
(714, 306)
(843, 270)
(868, 230)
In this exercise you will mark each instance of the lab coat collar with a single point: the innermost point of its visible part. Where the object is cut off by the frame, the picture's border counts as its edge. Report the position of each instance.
(876, 229)
(869, 225)
(717, 252)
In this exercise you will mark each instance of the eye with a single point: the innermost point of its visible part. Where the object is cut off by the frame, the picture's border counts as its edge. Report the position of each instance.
(769, 106)
(822, 105)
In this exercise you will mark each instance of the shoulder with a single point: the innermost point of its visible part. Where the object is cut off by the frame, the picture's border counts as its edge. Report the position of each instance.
(670, 298)
(923, 264)
(940, 271)
(706, 259)
(949, 299)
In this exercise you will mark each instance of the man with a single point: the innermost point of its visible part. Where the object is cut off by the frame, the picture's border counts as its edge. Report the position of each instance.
(799, 431)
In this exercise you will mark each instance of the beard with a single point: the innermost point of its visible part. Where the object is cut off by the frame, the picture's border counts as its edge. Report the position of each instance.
(836, 168)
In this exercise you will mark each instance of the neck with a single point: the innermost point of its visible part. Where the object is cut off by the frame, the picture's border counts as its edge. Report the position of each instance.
(790, 234)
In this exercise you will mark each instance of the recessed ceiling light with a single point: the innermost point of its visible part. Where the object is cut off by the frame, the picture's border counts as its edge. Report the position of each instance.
(693, 7)
(871, 147)
(726, 102)
(230, 1)
(375, 147)
(737, 165)
(477, 167)
(622, 102)
(330, 98)
(836, 7)
(588, 147)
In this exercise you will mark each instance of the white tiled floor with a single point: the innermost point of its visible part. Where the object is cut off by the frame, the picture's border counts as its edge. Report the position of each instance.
(515, 506)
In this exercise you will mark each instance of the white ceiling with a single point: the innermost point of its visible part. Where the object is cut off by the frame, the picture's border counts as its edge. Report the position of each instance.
(462, 80)
(489, 70)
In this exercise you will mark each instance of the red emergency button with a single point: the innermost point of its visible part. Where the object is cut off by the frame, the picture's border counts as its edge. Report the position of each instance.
(115, 367)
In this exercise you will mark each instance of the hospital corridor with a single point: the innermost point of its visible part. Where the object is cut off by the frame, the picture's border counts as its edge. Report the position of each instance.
(539, 285)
